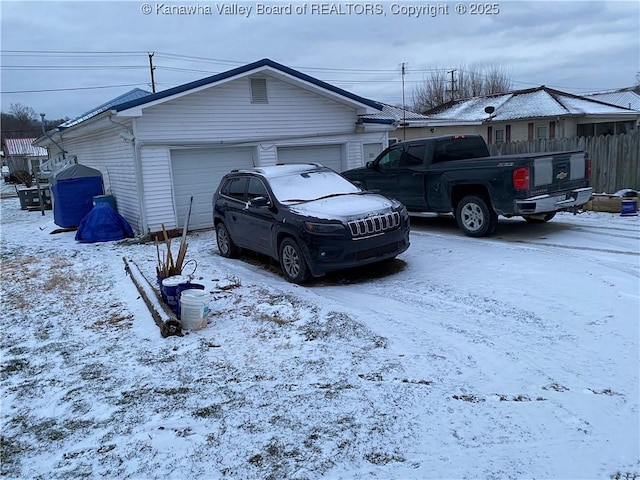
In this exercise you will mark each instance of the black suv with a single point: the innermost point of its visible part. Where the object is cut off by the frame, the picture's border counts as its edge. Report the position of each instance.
(308, 217)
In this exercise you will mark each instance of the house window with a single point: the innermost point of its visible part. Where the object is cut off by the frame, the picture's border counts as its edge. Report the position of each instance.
(541, 132)
(392, 141)
(500, 136)
(259, 90)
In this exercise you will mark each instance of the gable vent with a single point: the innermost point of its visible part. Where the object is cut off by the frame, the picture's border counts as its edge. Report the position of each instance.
(259, 90)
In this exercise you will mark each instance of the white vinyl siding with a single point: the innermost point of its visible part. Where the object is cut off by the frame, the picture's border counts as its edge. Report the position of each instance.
(197, 173)
(224, 113)
(371, 151)
(157, 193)
(327, 155)
(108, 152)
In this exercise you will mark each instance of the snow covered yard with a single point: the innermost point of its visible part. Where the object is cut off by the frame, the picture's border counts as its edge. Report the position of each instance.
(515, 356)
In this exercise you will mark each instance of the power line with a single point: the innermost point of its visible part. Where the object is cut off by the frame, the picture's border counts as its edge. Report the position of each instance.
(66, 53)
(69, 67)
(72, 89)
(192, 58)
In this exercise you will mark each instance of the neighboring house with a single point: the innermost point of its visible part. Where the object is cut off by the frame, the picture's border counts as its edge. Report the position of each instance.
(625, 98)
(525, 115)
(21, 155)
(158, 150)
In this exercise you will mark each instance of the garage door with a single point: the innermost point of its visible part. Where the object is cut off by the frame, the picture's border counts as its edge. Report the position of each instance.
(198, 172)
(327, 155)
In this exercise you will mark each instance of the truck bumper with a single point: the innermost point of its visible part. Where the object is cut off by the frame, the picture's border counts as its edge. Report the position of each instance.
(553, 202)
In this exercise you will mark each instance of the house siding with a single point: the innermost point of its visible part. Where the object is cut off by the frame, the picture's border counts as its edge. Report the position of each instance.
(267, 154)
(354, 155)
(158, 189)
(107, 152)
(224, 113)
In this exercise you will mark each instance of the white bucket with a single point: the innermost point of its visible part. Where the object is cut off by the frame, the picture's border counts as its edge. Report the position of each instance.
(194, 307)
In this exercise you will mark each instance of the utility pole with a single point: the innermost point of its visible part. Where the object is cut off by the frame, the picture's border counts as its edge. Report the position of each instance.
(404, 107)
(453, 84)
(152, 68)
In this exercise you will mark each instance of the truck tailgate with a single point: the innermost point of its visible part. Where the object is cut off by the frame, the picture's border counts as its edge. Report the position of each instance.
(558, 172)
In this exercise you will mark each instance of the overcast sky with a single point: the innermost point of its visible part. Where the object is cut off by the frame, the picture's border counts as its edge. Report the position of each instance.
(72, 47)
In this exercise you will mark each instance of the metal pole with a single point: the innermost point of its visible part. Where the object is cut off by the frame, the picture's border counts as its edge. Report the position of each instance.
(40, 199)
(152, 68)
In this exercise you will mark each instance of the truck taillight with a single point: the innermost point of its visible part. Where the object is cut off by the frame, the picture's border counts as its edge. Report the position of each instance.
(521, 178)
(588, 168)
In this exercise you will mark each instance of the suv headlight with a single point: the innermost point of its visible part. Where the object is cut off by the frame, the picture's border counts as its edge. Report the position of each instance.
(403, 213)
(324, 228)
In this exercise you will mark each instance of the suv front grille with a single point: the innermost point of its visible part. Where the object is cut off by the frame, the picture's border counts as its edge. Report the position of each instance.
(366, 227)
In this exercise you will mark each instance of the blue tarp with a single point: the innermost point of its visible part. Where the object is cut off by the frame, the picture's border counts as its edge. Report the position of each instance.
(103, 224)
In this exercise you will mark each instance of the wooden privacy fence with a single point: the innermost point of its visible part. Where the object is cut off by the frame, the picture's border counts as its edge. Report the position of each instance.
(615, 159)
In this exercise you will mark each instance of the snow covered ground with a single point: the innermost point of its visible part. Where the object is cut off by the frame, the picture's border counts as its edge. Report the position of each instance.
(515, 356)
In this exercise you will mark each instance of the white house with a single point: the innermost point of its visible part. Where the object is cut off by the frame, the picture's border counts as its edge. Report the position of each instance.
(158, 150)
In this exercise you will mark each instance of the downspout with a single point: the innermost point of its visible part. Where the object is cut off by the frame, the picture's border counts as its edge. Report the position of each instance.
(136, 146)
(64, 152)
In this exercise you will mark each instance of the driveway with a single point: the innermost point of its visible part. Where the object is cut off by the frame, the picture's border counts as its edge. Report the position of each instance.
(502, 357)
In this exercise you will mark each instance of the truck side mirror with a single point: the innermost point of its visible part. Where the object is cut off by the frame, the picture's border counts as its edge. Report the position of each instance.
(370, 165)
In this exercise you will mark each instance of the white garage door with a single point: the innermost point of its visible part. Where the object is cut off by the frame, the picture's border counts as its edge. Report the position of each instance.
(198, 172)
(327, 155)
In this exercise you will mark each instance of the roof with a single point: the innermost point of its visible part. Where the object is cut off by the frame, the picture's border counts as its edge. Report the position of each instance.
(265, 62)
(131, 95)
(22, 146)
(626, 98)
(390, 114)
(537, 102)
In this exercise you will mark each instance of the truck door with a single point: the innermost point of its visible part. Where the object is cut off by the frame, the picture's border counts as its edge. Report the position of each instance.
(383, 177)
(411, 177)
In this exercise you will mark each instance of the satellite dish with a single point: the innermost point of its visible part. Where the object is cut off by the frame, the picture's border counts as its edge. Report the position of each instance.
(489, 110)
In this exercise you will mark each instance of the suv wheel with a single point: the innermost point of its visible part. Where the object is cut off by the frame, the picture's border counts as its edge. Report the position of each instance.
(292, 262)
(226, 246)
(475, 218)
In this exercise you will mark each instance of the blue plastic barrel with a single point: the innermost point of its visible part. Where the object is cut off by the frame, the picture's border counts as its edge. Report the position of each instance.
(629, 208)
(169, 290)
(108, 199)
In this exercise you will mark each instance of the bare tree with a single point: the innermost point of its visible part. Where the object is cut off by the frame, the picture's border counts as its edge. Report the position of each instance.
(24, 114)
(432, 92)
(442, 86)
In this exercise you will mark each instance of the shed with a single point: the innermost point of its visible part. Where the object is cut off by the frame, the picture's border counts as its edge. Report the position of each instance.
(73, 189)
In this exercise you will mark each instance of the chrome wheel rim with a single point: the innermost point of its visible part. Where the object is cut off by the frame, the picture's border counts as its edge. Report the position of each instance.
(290, 261)
(472, 217)
(223, 240)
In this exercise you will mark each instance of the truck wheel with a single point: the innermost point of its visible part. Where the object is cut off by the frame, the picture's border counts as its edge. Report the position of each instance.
(292, 262)
(541, 218)
(226, 247)
(475, 218)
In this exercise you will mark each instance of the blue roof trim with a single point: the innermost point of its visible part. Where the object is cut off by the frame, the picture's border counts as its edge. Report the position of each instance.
(265, 62)
(384, 121)
(129, 96)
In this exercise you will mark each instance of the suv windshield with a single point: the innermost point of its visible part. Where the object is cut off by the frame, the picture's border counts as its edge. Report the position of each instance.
(312, 185)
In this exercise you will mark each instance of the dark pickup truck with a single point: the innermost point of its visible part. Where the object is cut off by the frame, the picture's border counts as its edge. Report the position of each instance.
(455, 174)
